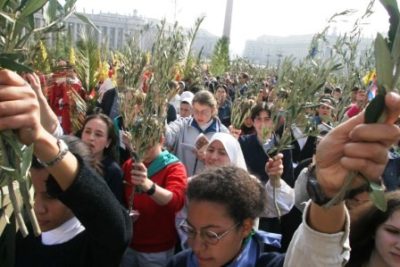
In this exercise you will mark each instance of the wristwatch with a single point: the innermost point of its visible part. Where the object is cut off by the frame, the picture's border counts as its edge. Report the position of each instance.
(314, 189)
(152, 189)
(63, 149)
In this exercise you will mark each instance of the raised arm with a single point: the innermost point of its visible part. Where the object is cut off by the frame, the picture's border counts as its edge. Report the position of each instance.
(47, 117)
(19, 111)
(356, 147)
(352, 147)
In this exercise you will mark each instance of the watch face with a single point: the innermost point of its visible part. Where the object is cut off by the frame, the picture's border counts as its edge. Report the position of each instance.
(311, 188)
(314, 190)
(152, 189)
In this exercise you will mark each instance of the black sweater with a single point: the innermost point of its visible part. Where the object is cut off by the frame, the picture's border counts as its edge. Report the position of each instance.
(256, 159)
(113, 176)
(107, 234)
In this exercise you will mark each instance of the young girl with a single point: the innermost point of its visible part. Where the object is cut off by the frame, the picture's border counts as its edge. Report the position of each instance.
(181, 135)
(162, 180)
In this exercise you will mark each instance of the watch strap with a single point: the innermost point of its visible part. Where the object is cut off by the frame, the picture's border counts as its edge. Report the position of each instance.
(314, 190)
(152, 189)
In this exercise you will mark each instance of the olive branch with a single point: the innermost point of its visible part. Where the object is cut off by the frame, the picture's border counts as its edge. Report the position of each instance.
(387, 61)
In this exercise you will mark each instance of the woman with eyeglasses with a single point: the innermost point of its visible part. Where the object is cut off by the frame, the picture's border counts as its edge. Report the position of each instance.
(182, 134)
(224, 150)
(224, 201)
(223, 204)
(220, 200)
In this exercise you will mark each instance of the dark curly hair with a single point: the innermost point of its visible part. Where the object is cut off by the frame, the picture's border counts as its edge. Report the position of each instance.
(242, 195)
(363, 229)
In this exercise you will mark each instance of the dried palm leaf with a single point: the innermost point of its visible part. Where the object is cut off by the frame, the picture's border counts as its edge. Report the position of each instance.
(78, 109)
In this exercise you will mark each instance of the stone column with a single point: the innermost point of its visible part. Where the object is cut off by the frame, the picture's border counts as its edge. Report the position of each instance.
(228, 19)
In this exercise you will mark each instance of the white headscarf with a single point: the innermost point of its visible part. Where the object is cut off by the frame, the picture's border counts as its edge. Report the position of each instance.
(232, 148)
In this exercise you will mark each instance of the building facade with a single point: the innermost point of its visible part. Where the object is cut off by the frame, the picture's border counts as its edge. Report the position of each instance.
(269, 50)
(115, 30)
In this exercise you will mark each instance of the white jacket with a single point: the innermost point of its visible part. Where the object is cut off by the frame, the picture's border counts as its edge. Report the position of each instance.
(180, 139)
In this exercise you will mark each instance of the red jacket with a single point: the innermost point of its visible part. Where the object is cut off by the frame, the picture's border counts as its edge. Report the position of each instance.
(59, 99)
(353, 111)
(154, 230)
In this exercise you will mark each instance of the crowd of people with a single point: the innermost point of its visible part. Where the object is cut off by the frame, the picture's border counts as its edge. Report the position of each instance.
(206, 193)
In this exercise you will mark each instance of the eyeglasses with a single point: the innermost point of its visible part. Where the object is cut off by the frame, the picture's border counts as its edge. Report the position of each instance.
(204, 112)
(207, 236)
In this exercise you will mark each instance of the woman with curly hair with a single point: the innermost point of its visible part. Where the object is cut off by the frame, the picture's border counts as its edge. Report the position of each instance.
(223, 204)
(224, 150)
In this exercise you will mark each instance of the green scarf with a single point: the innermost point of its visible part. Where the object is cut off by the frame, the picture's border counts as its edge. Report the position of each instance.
(164, 159)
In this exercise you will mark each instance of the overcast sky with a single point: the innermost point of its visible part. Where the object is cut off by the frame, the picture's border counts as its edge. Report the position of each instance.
(251, 18)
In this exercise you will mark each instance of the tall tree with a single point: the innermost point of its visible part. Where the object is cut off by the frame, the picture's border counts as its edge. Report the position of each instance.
(220, 60)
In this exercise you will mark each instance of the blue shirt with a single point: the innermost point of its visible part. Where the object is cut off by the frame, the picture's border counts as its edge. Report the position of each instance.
(251, 254)
(224, 113)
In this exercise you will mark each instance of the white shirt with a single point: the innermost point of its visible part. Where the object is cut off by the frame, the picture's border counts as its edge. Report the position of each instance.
(63, 233)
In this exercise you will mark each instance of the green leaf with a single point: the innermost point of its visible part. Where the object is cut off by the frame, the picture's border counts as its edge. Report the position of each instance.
(69, 5)
(377, 195)
(26, 160)
(396, 46)
(13, 144)
(394, 16)
(52, 27)
(31, 21)
(21, 42)
(384, 63)
(32, 7)
(336, 67)
(375, 109)
(3, 4)
(12, 56)
(86, 20)
(52, 9)
(12, 65)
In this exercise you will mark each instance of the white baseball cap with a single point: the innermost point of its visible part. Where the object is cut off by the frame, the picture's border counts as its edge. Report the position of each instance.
(187, 97)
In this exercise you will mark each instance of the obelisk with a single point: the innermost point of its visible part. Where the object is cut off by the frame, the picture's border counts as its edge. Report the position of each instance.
(228, 19)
